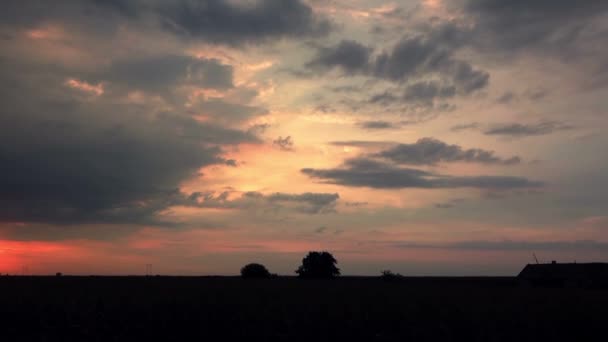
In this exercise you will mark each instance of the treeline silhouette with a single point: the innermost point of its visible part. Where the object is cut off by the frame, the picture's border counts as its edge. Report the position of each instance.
(315, 265)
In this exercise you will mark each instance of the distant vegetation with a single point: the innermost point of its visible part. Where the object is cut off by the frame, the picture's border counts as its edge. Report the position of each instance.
(388, 275)
(254, 270)
(318, 265)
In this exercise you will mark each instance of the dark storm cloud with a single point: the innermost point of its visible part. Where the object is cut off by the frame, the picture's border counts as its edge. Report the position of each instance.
(378, 124)
(306, 203)
(285, 144)
(523, 130)
(159, 73)
(232, 22)
(363, 172)
(217, 21)
(71, 159)
(430, 151)
(105, 173)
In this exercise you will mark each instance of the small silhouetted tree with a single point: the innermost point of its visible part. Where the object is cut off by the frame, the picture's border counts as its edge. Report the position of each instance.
(254, 270)
(318, 265)
(388, 275)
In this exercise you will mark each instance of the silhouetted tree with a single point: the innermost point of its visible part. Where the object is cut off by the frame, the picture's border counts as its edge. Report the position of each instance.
(318, 265)
(388, 275)
(58, 274)
(254, 271)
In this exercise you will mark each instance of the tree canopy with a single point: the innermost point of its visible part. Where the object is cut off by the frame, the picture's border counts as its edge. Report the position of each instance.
(318, 265)
(254, 270)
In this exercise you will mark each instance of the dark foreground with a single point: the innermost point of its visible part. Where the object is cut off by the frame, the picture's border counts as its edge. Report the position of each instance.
(289, 309)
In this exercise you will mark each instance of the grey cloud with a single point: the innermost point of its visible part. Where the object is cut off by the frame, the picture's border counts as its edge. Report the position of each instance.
(69, 160)
(227, 112)
(258, 129)
(378, 124)
(424, 63)
(320, 230)
(115, 173)
(530, 94)
(159, 73)
(346, 89)
(430, 151)
(419, 56)
(410, 56)
(384, 98)
(229, 22)
(464, 127)
(507, 97)
(572, 32)
(509, 245)
(363, 172)
(349, 55)
(285, 144)
(428, 91)
(323, 108)
(523, 130)
(307, 203)
(541, 24)
(449, 204)
(515, 130)
(216, 21)
(466, 78)
(315, 202)
(536, 94)
(363, 143)
(163, 74)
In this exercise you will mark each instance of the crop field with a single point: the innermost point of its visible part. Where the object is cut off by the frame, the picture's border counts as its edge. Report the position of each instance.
(291, 309)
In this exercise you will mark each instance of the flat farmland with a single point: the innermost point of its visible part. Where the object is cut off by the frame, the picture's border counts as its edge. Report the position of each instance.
(290, 309)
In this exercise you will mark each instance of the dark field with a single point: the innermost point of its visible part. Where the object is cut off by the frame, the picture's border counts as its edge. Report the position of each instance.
(290, 309)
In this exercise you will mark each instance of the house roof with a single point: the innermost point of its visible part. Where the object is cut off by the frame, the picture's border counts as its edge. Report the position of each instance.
(565, 271)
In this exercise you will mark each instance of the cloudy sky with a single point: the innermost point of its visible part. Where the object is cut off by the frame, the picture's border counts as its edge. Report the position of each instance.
(427, 137)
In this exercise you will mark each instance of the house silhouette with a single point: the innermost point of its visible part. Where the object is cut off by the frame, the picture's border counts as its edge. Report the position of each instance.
(587, 275)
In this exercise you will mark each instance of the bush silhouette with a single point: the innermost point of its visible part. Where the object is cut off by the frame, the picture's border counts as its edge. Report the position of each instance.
(254, 270)
(318, 265)
(388, 275)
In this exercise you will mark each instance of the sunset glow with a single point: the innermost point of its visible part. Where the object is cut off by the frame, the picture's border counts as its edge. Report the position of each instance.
(429, 137)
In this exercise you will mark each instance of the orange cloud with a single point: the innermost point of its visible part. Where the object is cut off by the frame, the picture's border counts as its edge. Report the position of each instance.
(94, 89)
(46, 33)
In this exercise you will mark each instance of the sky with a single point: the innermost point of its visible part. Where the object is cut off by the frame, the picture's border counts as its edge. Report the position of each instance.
(430, 137)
